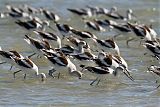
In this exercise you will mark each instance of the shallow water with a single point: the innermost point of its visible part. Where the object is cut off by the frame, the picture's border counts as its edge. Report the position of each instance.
(70, 92)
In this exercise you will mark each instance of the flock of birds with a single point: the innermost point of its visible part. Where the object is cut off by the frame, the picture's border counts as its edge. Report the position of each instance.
(106, 54)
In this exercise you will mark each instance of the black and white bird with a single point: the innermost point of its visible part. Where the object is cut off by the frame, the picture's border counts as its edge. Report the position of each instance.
(115, 15)
(100, 71)
(6, 56)
(84, 34)
(32, 24)
(27, 67)
(82, 12)
(62, 61)
(156, 70)
(50, 37)
(113, 61)
(37, 45)
(108, 43)
(140, 32)
(153, 47)
(64, 29)
(50, 15)
(16, 12)
(93, 25)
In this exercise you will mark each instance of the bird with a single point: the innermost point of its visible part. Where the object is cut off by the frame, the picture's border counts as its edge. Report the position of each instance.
(115, 15)
(62, 61)
(152, 32)
(16, 12)
(27, 67)
(50, 15)
(98, 10)
(68, 49)
(109, 43)
(81, 11)
(85, 56)
(153, 47)
(29, 24)
(30, 9)
(100, 71)
(37, 45)
(113, 61)
(50, 37)
(64, 29)
(122, 27)
(156, 70)
(140, 31)
(93, 25)
(84, 34)
(7, 56)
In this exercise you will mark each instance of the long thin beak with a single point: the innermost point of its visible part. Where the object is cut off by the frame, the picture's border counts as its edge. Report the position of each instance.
(128, 74)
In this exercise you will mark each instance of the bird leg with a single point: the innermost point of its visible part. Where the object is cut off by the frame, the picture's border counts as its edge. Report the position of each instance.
(38, 56)
(158, 86)
(98, 81)
(94, 81)
(31, 55)
(58, 75)
(24, 76)
(11, 67)
(115, 36)
(51, 72)
(14, 74)
(127, 42)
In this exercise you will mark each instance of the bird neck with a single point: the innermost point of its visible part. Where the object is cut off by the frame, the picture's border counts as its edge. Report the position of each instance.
(59, 43)
(129, 16)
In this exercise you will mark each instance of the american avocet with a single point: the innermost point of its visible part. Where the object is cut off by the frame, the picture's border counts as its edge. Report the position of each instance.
(30, 9)
(68, 50)
(75, 41)
(109, 43)
(122, 27)
(101, 71)
(7, 56)
(30, 24)
(16, 12)
(64, 29)
(49, 36)
(94, 25)
(50, 15)
(98, 10)
(106, 23)
(115, 15)
(27, 66)
(156, 70)
(84, 34)
(152, 32)
(140, 31)
(122, 65)
(81, 12)
(114, 61)
(63, 61)
(84, 56)
(37, 45)
(14, 9)
(154, 48)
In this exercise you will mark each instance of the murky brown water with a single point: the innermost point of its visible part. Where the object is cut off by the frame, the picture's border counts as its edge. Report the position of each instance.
(71, 92)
